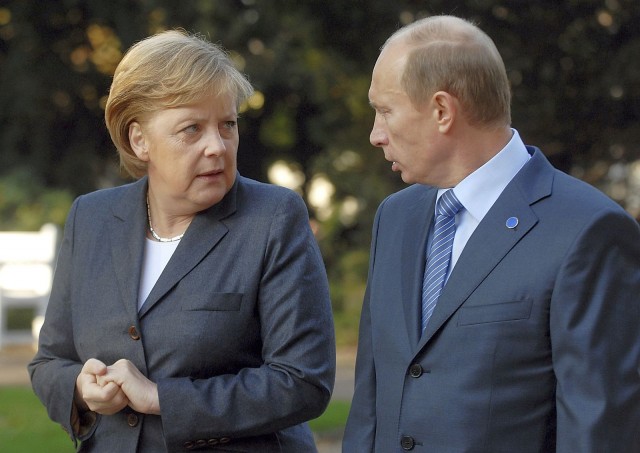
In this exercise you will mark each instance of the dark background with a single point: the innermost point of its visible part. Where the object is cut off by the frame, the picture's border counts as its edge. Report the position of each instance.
(574, 67)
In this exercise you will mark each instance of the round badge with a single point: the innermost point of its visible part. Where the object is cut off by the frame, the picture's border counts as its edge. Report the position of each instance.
(512, 222)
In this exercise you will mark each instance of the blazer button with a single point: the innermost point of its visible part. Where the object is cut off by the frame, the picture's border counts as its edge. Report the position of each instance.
(213, 442)
(133, 333)
(189, 445)
(415, 370)
(201, 443)
(407, 442)
(132, 420)
(225, 440)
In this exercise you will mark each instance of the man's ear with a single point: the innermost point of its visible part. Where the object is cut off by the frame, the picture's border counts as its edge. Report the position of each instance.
(138, 141)
(444, 110)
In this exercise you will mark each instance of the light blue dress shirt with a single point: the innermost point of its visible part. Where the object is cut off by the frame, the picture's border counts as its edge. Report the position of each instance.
(480, 190)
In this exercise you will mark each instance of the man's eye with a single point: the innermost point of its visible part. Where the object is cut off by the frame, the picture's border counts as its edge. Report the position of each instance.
(230, 124)
(192, 129)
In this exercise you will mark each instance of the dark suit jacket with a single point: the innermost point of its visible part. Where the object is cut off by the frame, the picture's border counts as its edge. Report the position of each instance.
(237, 332)
(534, 345)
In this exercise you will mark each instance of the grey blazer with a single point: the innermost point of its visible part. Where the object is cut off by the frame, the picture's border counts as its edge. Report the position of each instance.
(534, 344)
(237, 332)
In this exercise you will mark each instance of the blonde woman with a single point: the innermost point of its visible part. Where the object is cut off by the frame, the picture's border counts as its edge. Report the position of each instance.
(190, 309)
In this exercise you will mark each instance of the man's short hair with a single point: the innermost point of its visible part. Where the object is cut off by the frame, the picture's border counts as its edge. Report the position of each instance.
(451, 54)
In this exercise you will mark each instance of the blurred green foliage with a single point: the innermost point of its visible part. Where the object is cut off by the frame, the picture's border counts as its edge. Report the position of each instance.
(572, 64)
(26, 203)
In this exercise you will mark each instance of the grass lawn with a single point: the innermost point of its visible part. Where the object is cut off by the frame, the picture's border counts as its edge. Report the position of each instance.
(25, 427)
(333, 419)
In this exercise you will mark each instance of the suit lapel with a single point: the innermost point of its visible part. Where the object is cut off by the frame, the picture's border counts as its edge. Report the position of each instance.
(414, 244)
(205, 231)
(127, 231)
(492, 239)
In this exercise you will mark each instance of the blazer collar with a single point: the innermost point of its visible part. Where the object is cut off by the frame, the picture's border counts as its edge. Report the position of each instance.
(130, 229)
(127, 233)
(492, 239)
(420, 212)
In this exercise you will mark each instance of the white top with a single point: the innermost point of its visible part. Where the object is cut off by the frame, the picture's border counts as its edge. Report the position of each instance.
(480, 190)
(156, 257)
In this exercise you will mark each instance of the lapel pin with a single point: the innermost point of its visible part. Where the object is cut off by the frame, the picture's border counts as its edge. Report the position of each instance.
(512, 223)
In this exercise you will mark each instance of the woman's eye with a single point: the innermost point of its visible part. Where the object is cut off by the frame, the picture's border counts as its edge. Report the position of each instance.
(230, 124)
(192, 129)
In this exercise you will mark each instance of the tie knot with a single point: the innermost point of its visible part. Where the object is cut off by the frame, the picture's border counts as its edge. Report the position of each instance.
(448, 204)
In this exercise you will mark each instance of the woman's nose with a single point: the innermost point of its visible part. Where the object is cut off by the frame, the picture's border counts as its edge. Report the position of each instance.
(214, 144)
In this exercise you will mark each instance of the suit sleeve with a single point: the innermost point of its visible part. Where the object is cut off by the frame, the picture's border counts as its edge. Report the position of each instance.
(360, 430)
(295, 381)
(595, 337)
(56, 365)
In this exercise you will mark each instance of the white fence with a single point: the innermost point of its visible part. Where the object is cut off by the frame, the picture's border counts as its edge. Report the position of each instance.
(26, 273)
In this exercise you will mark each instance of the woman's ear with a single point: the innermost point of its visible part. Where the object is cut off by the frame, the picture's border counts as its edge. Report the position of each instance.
(138, 142)
(444, 110)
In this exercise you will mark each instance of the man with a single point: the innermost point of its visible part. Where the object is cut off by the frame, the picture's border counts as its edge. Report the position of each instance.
(533, 342)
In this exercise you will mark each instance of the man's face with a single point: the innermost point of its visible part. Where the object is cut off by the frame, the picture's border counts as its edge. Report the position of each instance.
(408, 134)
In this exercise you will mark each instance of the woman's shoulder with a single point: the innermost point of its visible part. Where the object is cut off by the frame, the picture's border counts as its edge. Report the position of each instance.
(253, 188)
(113, 199)
(268, 199)
(113, 193)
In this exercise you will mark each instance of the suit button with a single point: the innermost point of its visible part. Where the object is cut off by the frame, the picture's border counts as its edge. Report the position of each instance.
(213, 442)
(407, 442)
(189, 445)
(224, 440)
(415, 370)
(132, 420)
(201, 443)
(133, 333)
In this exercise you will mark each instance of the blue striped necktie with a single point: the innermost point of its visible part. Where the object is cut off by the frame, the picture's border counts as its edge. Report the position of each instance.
(439, 257)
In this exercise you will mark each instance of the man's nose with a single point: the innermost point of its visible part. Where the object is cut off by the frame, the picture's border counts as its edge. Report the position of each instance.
(378, 136)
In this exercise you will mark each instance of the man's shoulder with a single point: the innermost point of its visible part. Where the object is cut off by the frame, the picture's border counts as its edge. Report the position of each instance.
(416, 194)
(552, 187)
(576, 195)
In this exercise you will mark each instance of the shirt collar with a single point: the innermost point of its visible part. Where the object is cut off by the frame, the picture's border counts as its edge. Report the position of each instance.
(480, 190)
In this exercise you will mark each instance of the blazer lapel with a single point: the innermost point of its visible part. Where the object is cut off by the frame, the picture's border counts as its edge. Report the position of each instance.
(492, 239)
(414, 244)
(127, 232)
(205, 231)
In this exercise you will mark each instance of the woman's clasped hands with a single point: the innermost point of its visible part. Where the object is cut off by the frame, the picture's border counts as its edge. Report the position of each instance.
(107, 390)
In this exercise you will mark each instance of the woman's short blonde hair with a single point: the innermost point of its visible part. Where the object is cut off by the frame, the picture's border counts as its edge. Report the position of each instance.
(166, 70)
(450, 54)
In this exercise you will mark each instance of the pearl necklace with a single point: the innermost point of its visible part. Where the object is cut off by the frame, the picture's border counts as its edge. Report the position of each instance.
(155, 235)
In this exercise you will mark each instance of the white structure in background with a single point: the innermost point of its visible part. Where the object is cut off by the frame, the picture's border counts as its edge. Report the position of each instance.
(26, 273)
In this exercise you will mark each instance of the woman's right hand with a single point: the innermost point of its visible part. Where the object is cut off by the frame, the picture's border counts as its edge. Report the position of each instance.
(90, 395)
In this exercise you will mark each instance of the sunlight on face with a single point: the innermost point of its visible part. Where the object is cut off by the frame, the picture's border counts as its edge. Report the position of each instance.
(407, 134)
(192, 153)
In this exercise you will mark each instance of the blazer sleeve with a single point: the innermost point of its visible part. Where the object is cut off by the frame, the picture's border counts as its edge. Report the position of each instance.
(56, 365)
(360, 430)
(595, 337)
(295, 381)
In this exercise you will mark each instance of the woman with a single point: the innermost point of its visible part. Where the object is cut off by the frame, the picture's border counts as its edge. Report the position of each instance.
(189, 309)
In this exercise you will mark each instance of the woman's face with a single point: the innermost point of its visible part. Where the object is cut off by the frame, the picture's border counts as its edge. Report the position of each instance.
(191, 152)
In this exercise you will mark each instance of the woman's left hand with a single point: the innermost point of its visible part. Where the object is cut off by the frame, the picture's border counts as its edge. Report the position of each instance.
(141, 392)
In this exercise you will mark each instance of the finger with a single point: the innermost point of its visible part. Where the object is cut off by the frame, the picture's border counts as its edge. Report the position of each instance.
(106, 378)
(107, 400)
(95, 367)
